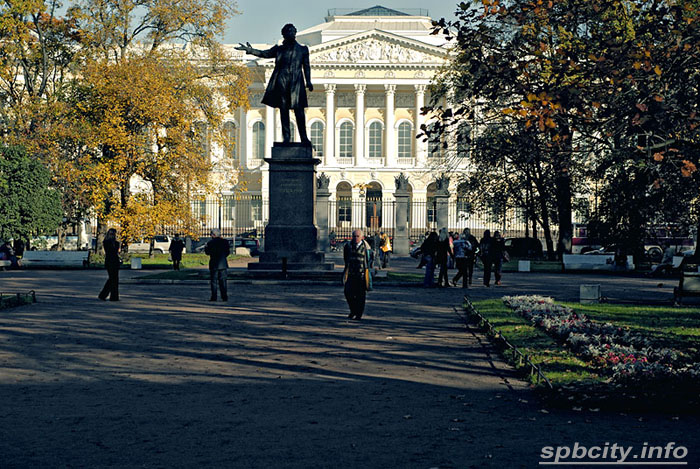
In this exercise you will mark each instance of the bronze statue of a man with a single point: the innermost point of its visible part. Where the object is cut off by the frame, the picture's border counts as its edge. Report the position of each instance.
(286, 88)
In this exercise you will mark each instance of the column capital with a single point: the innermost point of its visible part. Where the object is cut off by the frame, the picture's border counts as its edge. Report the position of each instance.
(360, 88)
(420, 88)
(390, 88)
(330, 88)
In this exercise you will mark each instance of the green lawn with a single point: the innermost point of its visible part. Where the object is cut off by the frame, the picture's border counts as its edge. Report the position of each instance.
(666, 326)
(559, 365)
(160, 261)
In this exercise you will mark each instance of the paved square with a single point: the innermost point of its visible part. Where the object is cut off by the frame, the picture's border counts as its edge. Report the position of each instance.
(275, 378)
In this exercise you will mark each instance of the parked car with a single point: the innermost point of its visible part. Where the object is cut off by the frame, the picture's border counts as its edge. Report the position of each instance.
(524, 248)
(251, 243)
(161, 243)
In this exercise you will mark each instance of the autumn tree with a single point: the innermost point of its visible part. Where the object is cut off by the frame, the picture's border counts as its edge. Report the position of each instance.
(585, 76)
(37, 56)
(153, 94)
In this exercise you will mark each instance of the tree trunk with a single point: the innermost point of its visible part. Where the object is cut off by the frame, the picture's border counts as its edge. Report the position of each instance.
(101, 232)
(545, 227)
(564, 209)
(60, 237)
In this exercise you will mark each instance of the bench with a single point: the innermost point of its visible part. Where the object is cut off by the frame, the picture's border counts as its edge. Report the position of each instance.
(39, 259)
(689, 285)
(593, 262)
(4, 265)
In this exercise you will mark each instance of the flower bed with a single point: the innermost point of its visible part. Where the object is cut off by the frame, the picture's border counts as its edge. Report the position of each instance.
(625, 355)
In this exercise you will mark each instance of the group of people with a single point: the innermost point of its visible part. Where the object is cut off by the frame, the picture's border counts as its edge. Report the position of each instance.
(380, 244)
(217, 248)
(441, 249)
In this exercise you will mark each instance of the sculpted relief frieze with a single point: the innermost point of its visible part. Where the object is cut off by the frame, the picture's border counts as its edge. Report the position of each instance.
(373, 51)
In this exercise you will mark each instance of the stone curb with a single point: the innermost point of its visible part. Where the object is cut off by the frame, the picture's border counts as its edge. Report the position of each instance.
(258, 282)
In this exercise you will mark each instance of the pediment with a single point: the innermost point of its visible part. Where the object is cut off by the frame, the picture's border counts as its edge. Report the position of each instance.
(376, 48)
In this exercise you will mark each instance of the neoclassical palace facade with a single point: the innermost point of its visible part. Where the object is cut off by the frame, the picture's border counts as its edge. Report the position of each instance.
(370, 70)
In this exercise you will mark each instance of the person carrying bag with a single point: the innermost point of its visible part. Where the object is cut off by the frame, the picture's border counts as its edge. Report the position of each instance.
(357, 276)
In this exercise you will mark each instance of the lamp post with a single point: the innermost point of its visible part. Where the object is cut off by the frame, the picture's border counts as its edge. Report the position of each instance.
(220, 196)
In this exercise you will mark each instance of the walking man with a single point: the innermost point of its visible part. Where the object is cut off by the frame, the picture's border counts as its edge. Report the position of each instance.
(218, 250)
(112, 263)
(177, 245)
(356, 256)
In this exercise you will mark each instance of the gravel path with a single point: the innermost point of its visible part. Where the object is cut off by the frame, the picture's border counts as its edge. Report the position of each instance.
(275, 378)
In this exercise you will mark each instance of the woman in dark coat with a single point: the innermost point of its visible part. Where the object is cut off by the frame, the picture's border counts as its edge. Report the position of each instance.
(485, 246)
(498, 252)
(112, 263)
(443, 253)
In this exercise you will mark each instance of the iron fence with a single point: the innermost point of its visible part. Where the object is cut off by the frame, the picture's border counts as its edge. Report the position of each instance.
(248, 214)
(233, 215)
(372, 215)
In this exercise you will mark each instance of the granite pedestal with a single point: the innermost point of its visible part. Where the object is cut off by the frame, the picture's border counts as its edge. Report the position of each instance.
(291, 235)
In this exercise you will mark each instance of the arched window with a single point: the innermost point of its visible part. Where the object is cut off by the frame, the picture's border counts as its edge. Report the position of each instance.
(258, 140)
(430, 203)
(293, 134)
(375, 140)
(231, 136)
(317, 137)
(405, 140)
(344, 197)
(345, 140)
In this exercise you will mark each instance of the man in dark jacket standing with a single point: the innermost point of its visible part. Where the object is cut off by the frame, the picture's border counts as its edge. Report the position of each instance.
(218, 250)
(286, 89)
(112, 264)
(356, 257)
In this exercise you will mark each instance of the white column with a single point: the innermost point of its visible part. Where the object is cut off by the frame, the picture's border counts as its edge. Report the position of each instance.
(242, 133)
(421, 147)
(389, 139)
(269, 130)
(329, 150)
(360, 125)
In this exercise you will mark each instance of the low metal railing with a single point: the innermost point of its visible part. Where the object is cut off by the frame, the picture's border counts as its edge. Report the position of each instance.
(516, 355)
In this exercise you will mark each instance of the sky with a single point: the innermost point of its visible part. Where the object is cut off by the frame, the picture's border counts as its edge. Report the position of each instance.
(260, 21)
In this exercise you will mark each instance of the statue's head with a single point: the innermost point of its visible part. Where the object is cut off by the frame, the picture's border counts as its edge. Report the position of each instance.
(289, 31)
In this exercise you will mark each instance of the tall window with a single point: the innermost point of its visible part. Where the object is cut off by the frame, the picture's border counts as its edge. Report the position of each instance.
(463, 140)
(405, 140)
(229, 208)
(256, 211)
(345, 140)
(201, 135)
(231, 136)
(375, 140)
(317, 137)
(258, 140)
(345, 208)
(293, 134)
(199, 209)
(434, 143)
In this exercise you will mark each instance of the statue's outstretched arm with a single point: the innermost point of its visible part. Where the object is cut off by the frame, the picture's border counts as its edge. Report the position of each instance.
(265, 54)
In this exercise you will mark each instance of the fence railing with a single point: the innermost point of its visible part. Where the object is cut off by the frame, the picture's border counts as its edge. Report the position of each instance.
(242, 214)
